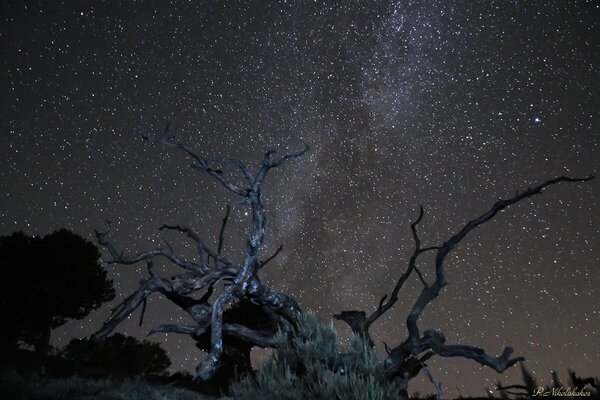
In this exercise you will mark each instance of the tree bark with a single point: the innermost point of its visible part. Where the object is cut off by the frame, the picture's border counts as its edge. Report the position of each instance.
(229, 342)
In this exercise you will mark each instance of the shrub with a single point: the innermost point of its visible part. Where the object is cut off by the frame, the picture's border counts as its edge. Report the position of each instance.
(108, 355)
(302, 368)
(14, 386)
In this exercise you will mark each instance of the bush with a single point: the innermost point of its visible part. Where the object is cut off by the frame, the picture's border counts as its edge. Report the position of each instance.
(107, 356)
(302, 366)
(309, 365)
(14, 386)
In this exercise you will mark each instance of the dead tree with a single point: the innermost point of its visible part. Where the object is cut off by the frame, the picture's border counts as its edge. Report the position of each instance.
(216, 327)
(406, 359)
(580, 383)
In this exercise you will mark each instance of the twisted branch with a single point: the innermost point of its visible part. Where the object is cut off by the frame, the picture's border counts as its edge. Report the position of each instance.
(435, 341)
(383, 307)
(202, 248)
(431, 292)
(119, 258)
(244, 282)
(400, 357)
(263, 263)
(222, 231)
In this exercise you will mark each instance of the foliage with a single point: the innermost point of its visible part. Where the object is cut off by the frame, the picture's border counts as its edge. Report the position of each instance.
(302, 368)
(118, 354)
(45, 282)
(530, 387)
(306, 365)
(529, 380)
(13, 386)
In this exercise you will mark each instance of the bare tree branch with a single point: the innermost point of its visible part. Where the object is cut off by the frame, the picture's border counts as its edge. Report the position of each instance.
(144, 305)
(244, 283)
(281, 303)
(202, 248)
(525, 390)
(431, 292)
(263, 263)
(387, 348)
(209, 364)
(242, 332)
(189, 283)
(403, 361)
(230, 338)
(232, 161)
(436, 384)
(126, 308)
(433, 340)
(192, 330)
(207, 165)
(162, 283)
(257, 338)
(222, 231)
(436, 341)
(272, 164)
(383, 307)
(119, 258)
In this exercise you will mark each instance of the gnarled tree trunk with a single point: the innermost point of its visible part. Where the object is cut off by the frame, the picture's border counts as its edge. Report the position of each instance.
(221, 324)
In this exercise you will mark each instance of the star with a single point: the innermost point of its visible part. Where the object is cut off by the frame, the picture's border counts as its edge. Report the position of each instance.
(403, 104)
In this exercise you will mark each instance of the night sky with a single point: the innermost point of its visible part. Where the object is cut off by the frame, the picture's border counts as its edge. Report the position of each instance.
(446, 104)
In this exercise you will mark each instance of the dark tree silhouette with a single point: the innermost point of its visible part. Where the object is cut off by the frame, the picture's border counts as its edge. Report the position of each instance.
(226, 336)
(530, 387)
(580, 383)
(527, 389)
(46, 281)
(117, 355)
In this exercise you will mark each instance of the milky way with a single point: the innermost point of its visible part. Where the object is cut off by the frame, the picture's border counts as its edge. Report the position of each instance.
(446, 104)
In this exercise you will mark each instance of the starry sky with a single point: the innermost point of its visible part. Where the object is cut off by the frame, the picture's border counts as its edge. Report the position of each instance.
(447, 104)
